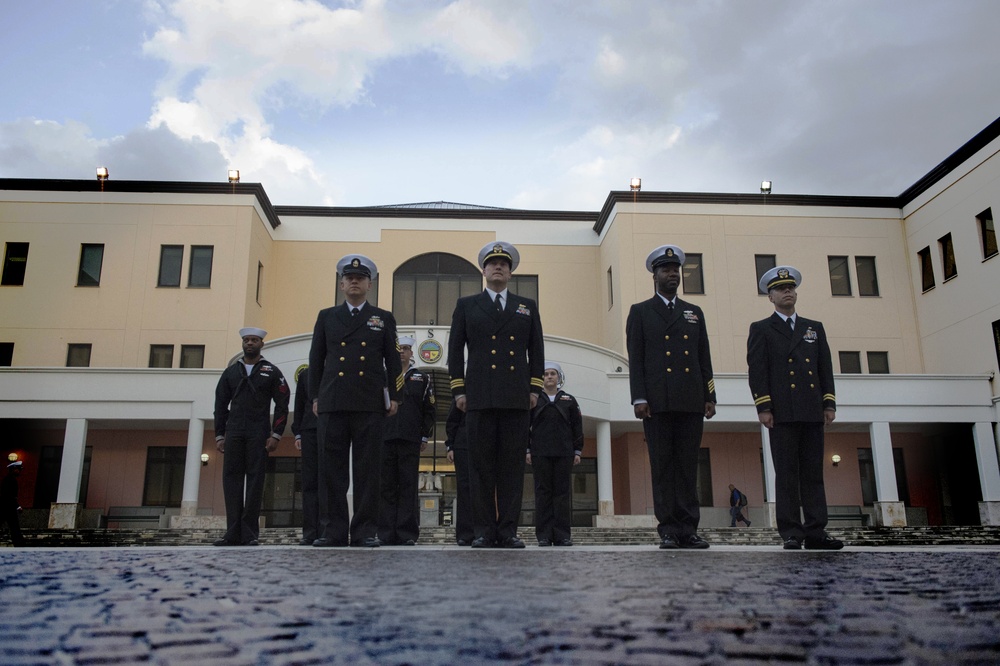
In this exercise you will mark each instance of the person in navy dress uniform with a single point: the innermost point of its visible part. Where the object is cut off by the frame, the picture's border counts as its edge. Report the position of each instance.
(404, 436)
(457, 446)
(304, 429)
(245, 434)
(791, 379)
(356, 379)
(503, 382)
(554, 448)
(673, 391)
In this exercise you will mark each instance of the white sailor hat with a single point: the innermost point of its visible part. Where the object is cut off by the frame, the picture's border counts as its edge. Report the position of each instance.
(499, 249)
(16, 463)
(552, 365)
(665, 254)
(407, 340)
(250, 330)
(357, 264)
(778, 276)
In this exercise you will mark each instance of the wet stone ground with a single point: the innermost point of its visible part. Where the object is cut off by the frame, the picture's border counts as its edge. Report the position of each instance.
(631, 605)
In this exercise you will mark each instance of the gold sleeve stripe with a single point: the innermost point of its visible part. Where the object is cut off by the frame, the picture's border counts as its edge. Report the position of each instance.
(457, 383)
(399, 383)
(711, 386)
(829, 396)
(537, 381)
(762, 399)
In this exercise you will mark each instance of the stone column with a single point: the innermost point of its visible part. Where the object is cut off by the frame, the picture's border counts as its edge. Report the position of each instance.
(765, 441)
(192, 467)
(64, 513)
(889, 511)
(989, 473)
(605, 484)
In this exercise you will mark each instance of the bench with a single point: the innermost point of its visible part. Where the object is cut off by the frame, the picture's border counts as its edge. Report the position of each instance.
(137, 516)
(847, 514)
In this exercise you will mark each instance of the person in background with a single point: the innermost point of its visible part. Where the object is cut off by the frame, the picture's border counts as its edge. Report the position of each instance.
(457, 446)
(304, 429)
(737, 500)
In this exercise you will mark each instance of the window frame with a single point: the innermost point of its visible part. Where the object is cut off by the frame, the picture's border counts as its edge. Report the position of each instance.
(987, 234)
(686, 271)
(164, 249)
(947, 247)
(760, 273)
(79, 347)
(153, 349)
(192, 268)
(15, 267)
(926, 270)
(858, 272)
(185, 350)
(855, 355)
(82, 276)
(846, 277)
(876, 355)
(6, 354)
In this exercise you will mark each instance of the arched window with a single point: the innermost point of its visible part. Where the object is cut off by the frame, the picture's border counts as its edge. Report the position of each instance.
(425, 288)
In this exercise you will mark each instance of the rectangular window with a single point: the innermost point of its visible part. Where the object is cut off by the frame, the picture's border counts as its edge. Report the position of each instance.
(850, 362)
(840, 276)
(15, 261)
(878, 363)
(996, 339)
(192, 356)
(948, 257)
(91, 261)
(611, 289)
(866, 468)
(171, 257)
(525, 285)
(200, 266)
(926, 269)
(693, 275)
(988, 233)
(6, 354)
(164, 476)
(763, 263)
(78, 355)
(260, 279)
(867, 276)
(161, 356)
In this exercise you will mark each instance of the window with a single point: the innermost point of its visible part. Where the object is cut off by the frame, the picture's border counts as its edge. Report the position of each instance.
(260, 280)
(15, 261)
(200, 266)
(987, 233)
(866, 468)
(867, 276)
(763, 263)
(192, 356)
(425, 288)
(948, 257)
(171, 257)
(161, 356)
(996, 339)
(91, 260)
(282, 501)
(926, 269)
(523, 285)
(6, 354)
(47, 479)
(78, 356)
(164, 476)
(840, 276)
(692, 274)
(878, 363)
(611, 289)
(850, 362)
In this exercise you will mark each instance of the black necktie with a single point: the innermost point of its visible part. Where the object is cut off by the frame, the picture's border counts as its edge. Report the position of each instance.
(354, 311)
(670, 307)
(499, 304)
(791, 324)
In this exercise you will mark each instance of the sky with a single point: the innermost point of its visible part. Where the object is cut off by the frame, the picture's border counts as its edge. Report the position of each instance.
(538, 104)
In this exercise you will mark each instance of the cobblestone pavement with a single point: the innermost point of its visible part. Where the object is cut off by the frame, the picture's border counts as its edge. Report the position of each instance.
(445, 605)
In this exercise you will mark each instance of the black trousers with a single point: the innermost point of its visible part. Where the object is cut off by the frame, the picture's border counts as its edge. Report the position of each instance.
(553, 496)
(399, 518)
(244, 460)
(13, 525)
(797, 449)
(673, 440)
(462, 513)
(310, 484)
(498, 439)
(338, 433)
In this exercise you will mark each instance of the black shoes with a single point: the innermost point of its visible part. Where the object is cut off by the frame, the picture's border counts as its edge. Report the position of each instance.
(252, 542)
(482, 542)
(461, 542)
(669, 542)
(687, 541)
(368, 542)
(791, 543)
(408, 542)
(224, 542)
(304, 541)
(512, 542)
(544, 543)
(323, 542)
(826, 543)
(563, 542)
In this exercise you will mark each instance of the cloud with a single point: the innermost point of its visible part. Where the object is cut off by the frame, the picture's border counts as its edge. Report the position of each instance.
(32, 148)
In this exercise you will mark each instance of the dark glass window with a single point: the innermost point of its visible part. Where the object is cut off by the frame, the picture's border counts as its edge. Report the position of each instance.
(171, 257)
(6, 354)
(164, 476)
(15, 262)
(763, 263)
(948, 257)
(78, 355)
(611, 288)
(996, 339)
(850, 362)
(47, 479)
(866, 468)
(523, 285)
(426, 288)
(91, 261)
(988, 233)
(200, 266)
(282, 501)
(867, 276)
(693, 275)
(260, 280)
(161, 356)
(192, 356)
(840, 276)
(926, 269)
(878, 363)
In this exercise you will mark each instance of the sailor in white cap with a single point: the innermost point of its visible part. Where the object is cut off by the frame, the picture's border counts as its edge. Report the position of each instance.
(356, 379)
(791, 379)
(555, 446)
(503, 381)
(404, 436)
(10, 506)
(673, 391)
(245, 434)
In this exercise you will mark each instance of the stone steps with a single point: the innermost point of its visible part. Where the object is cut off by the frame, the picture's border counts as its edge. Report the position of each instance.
(583, 536)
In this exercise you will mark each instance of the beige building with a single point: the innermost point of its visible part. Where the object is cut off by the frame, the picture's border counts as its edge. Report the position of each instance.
(121, 302)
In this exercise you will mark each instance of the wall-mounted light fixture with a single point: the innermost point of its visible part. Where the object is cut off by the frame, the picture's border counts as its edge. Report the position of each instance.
(836, 459)
(204, 459)
(12, 457)
(765, 187)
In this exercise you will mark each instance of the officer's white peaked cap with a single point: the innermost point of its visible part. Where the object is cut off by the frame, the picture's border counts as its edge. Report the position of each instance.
(499, 249)
(778, 276)
(357, 264)
(665, 254)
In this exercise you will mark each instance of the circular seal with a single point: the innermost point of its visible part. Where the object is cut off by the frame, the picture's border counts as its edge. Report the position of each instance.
(430, 350)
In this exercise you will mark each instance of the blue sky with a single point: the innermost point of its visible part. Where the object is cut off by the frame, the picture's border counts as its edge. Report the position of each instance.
(527, 104)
